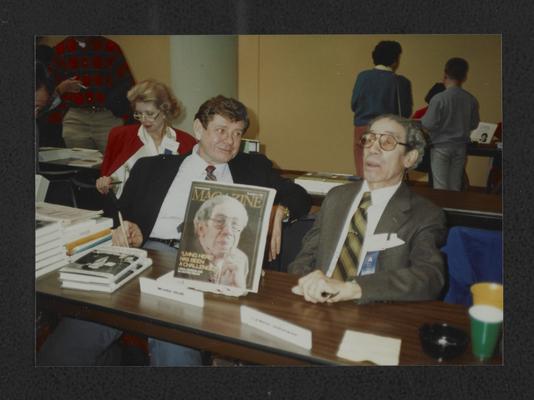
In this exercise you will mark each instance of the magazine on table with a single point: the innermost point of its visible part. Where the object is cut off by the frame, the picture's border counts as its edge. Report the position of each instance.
(224, 236)
(483, 133)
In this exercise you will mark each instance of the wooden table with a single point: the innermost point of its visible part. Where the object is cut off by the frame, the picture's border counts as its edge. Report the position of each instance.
(217, 328)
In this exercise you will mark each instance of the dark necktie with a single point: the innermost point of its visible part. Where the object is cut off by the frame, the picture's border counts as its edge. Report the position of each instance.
(347, 264)
(210, 176)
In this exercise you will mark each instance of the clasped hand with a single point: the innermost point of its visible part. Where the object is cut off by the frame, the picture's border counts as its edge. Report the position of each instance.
(316, 287)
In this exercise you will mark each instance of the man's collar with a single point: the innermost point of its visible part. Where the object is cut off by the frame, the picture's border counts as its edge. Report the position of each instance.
(196, 156)
(383, 68)
(382, 194)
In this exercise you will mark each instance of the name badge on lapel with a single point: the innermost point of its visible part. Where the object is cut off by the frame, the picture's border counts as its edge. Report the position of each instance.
(369, 263)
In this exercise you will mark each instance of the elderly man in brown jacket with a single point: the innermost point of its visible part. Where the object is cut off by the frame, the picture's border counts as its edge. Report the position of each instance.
(375, 240)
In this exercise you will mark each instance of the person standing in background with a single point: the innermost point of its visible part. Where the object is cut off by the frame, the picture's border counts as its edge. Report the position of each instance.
(450, 118)
(99, 78)
(379, 91)
(434, 90)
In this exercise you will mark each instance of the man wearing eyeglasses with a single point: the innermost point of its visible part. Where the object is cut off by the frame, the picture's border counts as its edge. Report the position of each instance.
(375, 240)
(218, 225)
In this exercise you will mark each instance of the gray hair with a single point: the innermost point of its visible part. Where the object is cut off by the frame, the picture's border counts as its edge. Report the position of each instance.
(205, 210)
(415, 139)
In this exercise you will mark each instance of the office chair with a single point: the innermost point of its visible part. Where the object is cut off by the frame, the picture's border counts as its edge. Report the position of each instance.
(292, 234)
(473, 255)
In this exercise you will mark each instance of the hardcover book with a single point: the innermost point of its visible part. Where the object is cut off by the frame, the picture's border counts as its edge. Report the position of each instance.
(224, 236)
(107, 262)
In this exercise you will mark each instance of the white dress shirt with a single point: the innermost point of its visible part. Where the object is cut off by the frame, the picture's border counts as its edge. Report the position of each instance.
(379, 200)
(149, 149)
(172, 211)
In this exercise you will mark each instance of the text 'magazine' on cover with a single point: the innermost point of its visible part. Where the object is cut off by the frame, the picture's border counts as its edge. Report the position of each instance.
(224, 236)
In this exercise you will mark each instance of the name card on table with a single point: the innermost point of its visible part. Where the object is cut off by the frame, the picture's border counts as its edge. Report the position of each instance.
(358, 346)
(171, 288)
(277, 327)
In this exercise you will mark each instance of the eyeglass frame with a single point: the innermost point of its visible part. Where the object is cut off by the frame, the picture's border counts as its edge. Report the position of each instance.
(139, 116)
(217, 222)
(378, 136)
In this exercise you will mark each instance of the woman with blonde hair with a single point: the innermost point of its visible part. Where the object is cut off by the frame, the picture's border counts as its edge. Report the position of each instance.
(155, 107)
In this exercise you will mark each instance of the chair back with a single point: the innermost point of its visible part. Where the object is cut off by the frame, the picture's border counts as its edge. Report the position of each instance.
(473, 255)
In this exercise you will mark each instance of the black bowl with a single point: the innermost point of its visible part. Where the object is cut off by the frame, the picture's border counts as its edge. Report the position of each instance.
(442, 341)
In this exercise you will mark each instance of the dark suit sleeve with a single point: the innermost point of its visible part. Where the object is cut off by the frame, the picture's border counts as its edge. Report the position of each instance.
(423, 276)
(132, 192)
(259, 171)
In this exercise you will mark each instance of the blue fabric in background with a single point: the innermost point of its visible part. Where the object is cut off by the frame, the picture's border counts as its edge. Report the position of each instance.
(473, 255)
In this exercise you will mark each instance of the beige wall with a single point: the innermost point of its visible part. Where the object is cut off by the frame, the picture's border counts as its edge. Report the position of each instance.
(147, 56)
(299, 88)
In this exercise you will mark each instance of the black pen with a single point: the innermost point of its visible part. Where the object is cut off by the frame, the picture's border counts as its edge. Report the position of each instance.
(115, 182)
(328, 296)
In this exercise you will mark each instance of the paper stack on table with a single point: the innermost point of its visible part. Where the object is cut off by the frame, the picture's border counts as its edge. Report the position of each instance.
(358, 346)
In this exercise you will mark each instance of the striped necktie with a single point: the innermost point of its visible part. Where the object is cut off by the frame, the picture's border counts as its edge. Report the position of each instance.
(347, 264)
(210, 176)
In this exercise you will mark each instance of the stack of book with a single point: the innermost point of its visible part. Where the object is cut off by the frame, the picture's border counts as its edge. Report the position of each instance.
(50, 252)
(322, 182)
(104, 269)
(84, 235)
(75, 231)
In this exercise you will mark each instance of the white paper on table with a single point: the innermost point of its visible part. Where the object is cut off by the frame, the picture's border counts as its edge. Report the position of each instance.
(359, 346)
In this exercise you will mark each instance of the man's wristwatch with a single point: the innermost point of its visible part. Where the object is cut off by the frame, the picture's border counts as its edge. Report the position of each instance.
(286, 213)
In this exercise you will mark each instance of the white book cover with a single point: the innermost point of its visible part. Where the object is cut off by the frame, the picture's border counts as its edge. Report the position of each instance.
(483, 133)
(224, 236)
(98, 225)
(78, 226)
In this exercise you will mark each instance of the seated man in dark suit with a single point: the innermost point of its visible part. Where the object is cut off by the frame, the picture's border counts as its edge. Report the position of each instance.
(153, 204)
(375, 240)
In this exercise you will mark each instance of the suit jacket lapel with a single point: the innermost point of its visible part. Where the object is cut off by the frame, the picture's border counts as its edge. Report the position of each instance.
(339, 213)
(239, 174)
(395, 213)
(163, 180)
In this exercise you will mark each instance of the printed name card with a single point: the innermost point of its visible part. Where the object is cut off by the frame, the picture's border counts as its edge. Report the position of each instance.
(358, 346)
(277, 327)
(171, 288)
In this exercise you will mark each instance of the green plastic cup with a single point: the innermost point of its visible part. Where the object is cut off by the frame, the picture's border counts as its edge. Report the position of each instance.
(486, 323)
